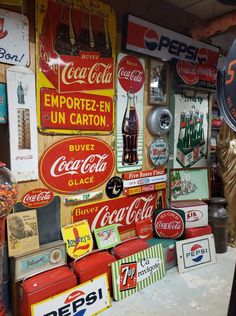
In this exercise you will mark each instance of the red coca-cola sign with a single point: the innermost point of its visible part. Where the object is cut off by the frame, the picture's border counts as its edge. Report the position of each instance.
(130, 73)
(37, 198)
(125, 212)
(187, 72)
(169, 224)
(76, 164)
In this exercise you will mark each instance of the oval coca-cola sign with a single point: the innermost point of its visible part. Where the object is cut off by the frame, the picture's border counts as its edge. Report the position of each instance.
(76, 164)
(131, 73)
(37, 198)
(169, 224)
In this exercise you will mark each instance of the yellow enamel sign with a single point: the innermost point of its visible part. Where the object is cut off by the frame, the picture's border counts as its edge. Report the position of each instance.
(78, 239)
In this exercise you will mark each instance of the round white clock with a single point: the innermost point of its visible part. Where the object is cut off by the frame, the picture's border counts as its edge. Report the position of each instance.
(158, 152)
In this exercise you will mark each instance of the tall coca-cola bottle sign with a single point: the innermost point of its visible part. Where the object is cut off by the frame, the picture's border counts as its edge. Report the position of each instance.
(130, 90)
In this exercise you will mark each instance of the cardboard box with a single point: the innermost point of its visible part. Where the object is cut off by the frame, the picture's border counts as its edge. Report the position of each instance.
(188, 157)
(196, 212)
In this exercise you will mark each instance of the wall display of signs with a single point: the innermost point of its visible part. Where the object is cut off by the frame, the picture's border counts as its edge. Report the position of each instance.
(188, 184)
(47, 257)
(37, 198)
(169, 223)
(129, 112)
(14, 35)
(3, 104)
(22, 232)
(107, 236)
(75, 46)
(133, 273)
(76, 164)
(78, 239)
(226, 85)
(192, 74)
(123, 211)
(157, 41)
(89, 298)
(22, 123)
(191, 129)
(158, 152)
(196, 252)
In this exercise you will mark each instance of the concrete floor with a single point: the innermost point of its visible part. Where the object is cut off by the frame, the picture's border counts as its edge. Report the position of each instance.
(202, 292)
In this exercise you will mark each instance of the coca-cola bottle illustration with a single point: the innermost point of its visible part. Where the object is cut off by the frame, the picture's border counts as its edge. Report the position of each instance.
(85, 37)
(20, 93)
(130, 130)
(103, 41)
(65, 38)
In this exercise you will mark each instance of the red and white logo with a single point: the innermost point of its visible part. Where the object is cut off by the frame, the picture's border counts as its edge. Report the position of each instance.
(144, 228)
(131, 73)
(37, 198)
(193, 215)
(187, 72)
(169, 224)
(75, 164)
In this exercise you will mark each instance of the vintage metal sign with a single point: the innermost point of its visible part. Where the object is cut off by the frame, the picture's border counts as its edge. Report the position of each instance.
(157, 41)
(129, 112)
(48, 256)
(123, 211)
(37, 198)
(75, 62)
(89, 298)
(196, 252)
(144, 181)
(192, 74)
(76, 164)
(78, 239)
(14, 35)
(145, 188)
(133, 273)
(143, 174)
(22, 123)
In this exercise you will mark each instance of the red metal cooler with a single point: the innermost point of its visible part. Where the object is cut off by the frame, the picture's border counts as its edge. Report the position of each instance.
(45, 285)
(197, 231)
(130, 247)
(92, 265)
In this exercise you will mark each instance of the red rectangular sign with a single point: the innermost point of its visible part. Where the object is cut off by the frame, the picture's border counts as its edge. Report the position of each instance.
(124, 211)
(75, 111)
(145, 188)
(143, 174)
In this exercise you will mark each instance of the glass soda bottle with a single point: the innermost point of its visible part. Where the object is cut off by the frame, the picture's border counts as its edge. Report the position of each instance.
(130, 129)
(20, 94)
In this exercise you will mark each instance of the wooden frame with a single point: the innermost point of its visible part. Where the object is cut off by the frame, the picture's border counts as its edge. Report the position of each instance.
(189, 184)
(107, 236)
(158, 82)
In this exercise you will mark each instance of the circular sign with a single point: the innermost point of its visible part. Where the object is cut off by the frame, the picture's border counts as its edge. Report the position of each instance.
(159, 121)
(55, 255)
(131, 73)
(158, 152)
(114, 187)
(168, 224)
(76, 164)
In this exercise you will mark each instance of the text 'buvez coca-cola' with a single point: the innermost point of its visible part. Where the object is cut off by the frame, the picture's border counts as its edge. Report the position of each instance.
(37, 198)
(131, 210)
(76, 164)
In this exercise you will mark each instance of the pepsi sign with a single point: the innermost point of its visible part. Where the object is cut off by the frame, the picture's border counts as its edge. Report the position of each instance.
(195, 252)
(89, 298)
(156, 41)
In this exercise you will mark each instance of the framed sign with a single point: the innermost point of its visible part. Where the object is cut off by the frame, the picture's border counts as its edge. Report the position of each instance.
(158, 78)
(107, 237)
(189, 184)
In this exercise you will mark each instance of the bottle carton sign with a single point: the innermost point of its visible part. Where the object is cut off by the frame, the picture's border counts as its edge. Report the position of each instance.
(129, 118)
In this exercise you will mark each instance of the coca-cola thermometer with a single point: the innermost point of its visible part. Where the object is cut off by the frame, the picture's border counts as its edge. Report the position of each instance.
(129, 113)
(76, 164)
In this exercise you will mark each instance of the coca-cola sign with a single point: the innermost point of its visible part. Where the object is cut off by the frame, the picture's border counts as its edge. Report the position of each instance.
(169, 223)
(187, 72)
(37, 198)
(130, 73)
(125, 212)
(76, 164)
